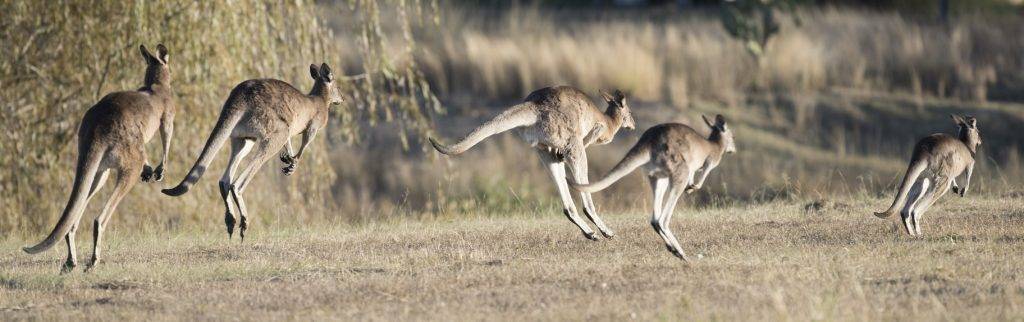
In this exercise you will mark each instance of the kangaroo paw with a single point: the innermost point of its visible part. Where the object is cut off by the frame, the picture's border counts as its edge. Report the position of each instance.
(287, 158)
(691, 188)
(147, 173)
(288, 170)
(158, 174)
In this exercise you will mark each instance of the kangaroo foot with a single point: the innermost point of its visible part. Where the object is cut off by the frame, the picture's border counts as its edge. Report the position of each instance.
(242, 226)
(229, 221)
(590, 235)
(678, 253)
(92, 264)
(68, 266)
(691, 188)
(608, 233)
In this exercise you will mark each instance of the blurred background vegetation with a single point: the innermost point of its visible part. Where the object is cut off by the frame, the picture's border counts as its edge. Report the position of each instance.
(828, 105)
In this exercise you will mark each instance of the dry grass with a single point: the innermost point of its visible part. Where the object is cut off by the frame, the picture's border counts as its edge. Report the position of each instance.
(775, 261)
(685, 57)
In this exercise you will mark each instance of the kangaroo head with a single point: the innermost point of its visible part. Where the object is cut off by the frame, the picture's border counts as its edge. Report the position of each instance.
(968, 130)
(156, 65)
(720, 132)
(324, 85)
(618, 109)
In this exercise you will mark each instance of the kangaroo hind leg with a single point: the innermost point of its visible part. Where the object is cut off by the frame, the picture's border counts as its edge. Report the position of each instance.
(556, 169)
(658, 188)
(261, 153)
(127, 177)
(675, 191)
(97, 183)
(928, 200)
(239, 148)
(917, 193)
(577, 162)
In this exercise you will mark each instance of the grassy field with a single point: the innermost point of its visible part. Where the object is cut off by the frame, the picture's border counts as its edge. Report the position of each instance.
(376, 226)
(795, 260)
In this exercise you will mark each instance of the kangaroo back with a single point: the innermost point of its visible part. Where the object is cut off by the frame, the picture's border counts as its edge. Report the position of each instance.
(229, 117)
(917, 166)
(637, 156)
(89, 160)
(519, 115)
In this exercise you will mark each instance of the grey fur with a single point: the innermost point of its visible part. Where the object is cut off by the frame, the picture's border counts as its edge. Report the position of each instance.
(560, 122)
(112, 136)
(259, 117)
(940, 158)
(671, 155)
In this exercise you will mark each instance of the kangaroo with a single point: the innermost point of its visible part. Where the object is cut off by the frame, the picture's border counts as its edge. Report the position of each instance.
(671, 155)
(112, 136)
(560, 122)
(941, 158)
(259, 117)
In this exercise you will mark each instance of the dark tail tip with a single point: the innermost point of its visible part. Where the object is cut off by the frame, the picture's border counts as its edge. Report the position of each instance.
(885, 214)
(438, 146)
(36, 249)
(176, 191)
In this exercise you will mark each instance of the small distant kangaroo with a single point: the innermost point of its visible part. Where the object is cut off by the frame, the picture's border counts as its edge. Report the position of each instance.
(560, 122)
(671, 155)
(112, 136)
(941, 158)
(260, 116)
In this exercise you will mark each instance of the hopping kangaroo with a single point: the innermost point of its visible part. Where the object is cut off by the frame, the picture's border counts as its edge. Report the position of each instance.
(560, 122)
(112, 136)
(671, 155)
(940, 158)
(259, 117)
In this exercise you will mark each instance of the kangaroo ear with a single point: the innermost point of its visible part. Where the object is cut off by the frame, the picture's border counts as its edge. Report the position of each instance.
(314, 72)
(325, 73)
(973, 122)
(720, 122)
(607, 97)
(150, 59)
(956, 118)
(162, 53)
(708, 122)
(619, 96)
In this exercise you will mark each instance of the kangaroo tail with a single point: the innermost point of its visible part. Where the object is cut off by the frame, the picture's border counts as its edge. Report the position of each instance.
(636, 157)
(221, 132)
(88, 164)
(913, 171)
(519, 115)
